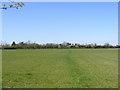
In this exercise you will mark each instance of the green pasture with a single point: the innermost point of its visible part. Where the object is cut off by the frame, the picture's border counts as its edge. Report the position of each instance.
(60, 68)
(0, 69)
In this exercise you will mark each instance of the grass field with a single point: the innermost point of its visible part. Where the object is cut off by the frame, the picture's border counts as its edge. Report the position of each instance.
(60, 68)
(0, 69)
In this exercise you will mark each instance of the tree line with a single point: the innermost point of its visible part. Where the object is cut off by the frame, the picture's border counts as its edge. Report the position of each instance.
(64, 45)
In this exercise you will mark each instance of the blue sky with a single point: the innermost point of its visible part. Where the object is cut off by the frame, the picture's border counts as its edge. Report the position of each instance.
(50, 22)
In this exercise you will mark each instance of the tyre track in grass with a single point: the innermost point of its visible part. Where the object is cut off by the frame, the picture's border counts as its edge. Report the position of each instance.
(77, 73)
(86, 71)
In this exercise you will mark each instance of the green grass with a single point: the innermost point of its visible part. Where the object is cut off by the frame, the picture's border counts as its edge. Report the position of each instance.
(60, 68)
(0, 69)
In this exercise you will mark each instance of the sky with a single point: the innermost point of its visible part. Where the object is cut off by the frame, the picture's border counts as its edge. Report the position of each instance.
(62, 0)
(0, 24)
(56, 22)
